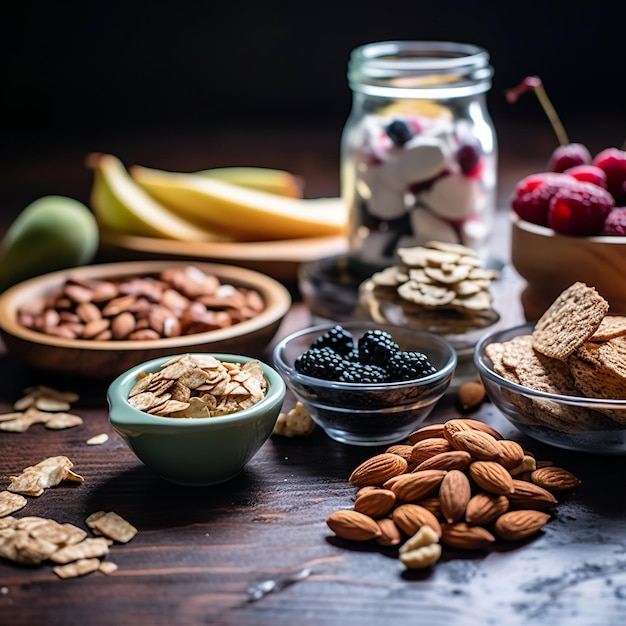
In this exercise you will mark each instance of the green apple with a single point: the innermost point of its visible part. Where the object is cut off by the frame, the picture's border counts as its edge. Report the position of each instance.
(51, 233)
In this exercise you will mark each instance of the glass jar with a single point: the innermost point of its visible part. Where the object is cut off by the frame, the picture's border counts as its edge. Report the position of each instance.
(418, 150)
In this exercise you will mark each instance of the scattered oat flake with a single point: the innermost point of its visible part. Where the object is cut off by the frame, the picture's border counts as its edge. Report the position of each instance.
(77, 568)
(108, 567)
(113, 526)
(48, 473)
(11, 502)
(59, 421)
(97, 440)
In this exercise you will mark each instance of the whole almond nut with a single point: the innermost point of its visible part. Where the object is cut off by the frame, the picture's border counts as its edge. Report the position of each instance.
(353, 526)
(484, 508)
(454, 494)
(378, 469)
(409, 518)
(415, 486)
(511, 453)
(427, 448)
(492, 477)
(95, 327)
(390, 534)
(402, 450)
(375, 503)
(527, 495)
(465, 536)
(456, 459)
(123, 325)
(429, 431)
(471, 394)
(516, 525)
(480, 445)
(481, 426)
(88, 311)
(454, 426)
(554, 479)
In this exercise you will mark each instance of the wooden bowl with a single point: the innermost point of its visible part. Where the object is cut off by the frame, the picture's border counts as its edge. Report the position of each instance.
(107, 359)
(550, 263)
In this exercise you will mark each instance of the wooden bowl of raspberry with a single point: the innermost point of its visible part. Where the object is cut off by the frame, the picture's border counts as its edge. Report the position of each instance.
(568, 225)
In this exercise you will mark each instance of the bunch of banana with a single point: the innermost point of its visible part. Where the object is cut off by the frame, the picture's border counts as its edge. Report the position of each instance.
(222, 204)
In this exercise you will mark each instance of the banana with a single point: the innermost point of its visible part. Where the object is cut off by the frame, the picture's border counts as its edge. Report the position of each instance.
(240, 213)
(120, 205)
(280, 182)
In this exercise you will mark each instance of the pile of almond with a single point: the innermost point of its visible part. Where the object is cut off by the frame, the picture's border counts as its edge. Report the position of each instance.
(459, 484)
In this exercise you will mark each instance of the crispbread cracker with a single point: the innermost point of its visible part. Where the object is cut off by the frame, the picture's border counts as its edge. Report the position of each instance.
(570, 321)
(612, 326)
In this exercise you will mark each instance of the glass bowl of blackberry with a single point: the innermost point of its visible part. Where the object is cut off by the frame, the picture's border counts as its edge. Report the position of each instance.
(364, 383)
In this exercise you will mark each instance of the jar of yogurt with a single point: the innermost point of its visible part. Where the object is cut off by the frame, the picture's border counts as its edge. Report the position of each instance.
(418, 150)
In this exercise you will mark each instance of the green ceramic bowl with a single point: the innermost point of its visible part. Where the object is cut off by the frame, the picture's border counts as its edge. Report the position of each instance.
(195, 451)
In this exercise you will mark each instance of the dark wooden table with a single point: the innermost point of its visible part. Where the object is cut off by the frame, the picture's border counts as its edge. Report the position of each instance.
(200, 550)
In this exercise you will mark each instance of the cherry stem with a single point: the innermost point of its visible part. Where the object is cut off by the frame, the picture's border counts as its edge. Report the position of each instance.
(534, 83)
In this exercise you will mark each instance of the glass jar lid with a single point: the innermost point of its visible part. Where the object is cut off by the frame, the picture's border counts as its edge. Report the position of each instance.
(419, 69)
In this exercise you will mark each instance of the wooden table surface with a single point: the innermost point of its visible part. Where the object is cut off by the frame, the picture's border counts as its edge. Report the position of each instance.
(199, 551)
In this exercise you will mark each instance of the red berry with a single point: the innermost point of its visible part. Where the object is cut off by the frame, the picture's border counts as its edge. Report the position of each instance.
(579, 209)
(567, 156)
(615, 223)
(613, 162)
(469, 158)
(531, 196)
(588, 174)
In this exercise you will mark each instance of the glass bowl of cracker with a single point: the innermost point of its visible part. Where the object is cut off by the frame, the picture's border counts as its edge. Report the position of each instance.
(562, 380)
(198, 418)
(364, 383)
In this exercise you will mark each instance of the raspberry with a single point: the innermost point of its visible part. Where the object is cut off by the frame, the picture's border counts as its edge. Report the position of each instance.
(579, 209)
(531, 196)
(376, 347)
(567, 156)
(615, 223)
(409, 365)
(337, 338)
(613, 162)
(588, 174)
(469, 157)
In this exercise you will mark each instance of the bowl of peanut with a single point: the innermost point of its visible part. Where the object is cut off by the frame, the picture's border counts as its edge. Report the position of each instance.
(97, 321)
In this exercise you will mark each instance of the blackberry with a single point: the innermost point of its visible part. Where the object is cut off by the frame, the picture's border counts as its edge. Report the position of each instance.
(359, 373)
(399, 132)
(322, 363)
(376, 347)
(409, 365)
(337, 338)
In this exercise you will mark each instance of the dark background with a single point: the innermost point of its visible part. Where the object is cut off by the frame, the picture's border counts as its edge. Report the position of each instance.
(169, 82)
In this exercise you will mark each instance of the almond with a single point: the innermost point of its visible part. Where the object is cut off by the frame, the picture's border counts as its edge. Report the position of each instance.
(480, 445)
(426, 432)
(456, 459)
(375, 502)
(454, 426)
(471, 394)
(377, 469)
(554, 479)
(428, 448)
(465, 536)
(485, 428)
(484, 508)
(516, 525)
(415, 486)
(491, 477)
(527, 495)
(409, 518)
(511, 453)
(402, 450)
(389, 533)
(421, 550)
(454, 494)
(433, 504)
(353, 525)
(528, 464)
